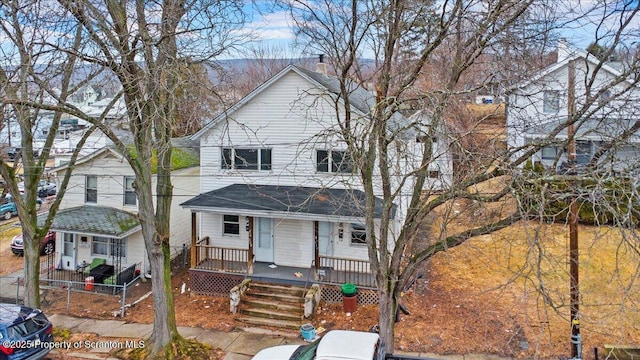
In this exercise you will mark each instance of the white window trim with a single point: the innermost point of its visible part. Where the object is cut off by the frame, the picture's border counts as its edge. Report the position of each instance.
(230, 222)
(351, 243)
(330, 161)
(124, 191)
(86, 189)
(233, 158)
(109, 243)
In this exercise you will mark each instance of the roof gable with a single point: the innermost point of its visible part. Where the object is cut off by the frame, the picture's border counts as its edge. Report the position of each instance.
(575, 54)
(102, 152)
(361, 100)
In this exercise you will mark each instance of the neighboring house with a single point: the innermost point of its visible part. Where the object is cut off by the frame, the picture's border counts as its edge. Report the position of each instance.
(98, 213)
(538, 108)
(278, 189)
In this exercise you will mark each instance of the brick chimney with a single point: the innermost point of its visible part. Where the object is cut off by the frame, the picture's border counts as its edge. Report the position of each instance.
(321, 66)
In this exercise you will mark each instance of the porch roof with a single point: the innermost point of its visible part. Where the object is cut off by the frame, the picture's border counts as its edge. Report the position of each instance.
(289, 200)
(95, 220)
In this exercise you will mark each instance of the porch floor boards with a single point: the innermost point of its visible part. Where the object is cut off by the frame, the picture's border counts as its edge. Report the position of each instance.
(281, 274)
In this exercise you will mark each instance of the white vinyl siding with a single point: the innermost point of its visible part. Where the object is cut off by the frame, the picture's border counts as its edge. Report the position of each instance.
(109, 172)
(291, 134)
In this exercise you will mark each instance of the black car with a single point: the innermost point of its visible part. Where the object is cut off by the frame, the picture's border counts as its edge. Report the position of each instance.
(25, 333)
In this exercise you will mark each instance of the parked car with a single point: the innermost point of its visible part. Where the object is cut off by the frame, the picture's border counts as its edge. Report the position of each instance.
(47, 247)
(45, 188)
(25, 333)
(9, 208)
(335, 344)
(12, 152)
(49, 190)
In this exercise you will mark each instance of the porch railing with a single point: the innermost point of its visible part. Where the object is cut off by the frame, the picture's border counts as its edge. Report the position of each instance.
(222, 259)
(341, 270)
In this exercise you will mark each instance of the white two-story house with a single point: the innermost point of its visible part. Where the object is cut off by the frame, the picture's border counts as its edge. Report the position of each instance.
(279, 197)
(606, 104)
(98, 213)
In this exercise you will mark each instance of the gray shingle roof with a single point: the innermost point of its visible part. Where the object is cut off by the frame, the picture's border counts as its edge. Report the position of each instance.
(98, 220)
(285, 199)
(360, 98)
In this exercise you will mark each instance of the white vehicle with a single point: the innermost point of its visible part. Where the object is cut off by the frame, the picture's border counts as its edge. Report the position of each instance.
(334, 345)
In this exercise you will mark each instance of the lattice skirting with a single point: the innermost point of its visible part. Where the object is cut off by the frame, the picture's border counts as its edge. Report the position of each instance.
(213, 283)
(333, 293)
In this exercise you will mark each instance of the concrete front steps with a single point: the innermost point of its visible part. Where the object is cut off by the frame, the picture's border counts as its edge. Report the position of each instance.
(273, 305)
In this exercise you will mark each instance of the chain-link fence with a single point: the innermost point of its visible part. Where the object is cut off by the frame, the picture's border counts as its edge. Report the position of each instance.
(72, 284)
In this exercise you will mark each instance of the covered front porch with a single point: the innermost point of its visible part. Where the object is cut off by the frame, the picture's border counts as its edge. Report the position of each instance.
(324, 269)
(281, 234)
(99, 243)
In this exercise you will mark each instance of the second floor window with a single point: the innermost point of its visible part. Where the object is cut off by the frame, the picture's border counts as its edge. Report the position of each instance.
(129, 191)
(333, 161)
(550, 152)
(91, 189)
(246, 159)
(551, 101)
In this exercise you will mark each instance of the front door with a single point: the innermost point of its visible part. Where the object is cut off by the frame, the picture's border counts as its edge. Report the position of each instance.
(263, 246)
(324, 238)
(68, 259)
(325, 243)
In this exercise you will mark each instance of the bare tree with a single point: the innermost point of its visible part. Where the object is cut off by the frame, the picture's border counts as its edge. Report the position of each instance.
(30, 73)
(143, 45)
(457, 46)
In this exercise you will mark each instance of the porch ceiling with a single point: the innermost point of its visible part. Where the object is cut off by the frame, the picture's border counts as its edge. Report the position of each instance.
(286, 200)
(95, 220)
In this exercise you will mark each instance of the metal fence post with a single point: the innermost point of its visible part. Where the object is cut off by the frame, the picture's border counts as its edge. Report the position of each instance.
(124, 299)
(69, 295)
(184, 256)
(17, 290)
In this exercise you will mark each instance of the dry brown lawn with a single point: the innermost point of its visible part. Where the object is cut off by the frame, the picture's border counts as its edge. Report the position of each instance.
(511, 273)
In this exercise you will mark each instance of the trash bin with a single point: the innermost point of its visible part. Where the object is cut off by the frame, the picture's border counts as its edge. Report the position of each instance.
(308, 332)
(349, 297)
(348, 289)
(88, 283)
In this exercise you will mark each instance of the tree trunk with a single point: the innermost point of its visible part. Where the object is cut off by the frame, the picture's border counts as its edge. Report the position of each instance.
(388, 306)
(164, 323)
(31, 271)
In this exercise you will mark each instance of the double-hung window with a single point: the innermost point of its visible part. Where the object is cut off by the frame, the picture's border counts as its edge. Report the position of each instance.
(246, 159)
(333, 161)
(91, 189)
(129, 191)
(358, 234)
(231, 225)
(550, 152)
(104, 246)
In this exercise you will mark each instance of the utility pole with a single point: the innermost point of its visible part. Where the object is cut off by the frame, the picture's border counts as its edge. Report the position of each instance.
(576, 337)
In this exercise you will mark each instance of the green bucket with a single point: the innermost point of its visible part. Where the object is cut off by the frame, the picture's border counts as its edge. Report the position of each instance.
(348, 289)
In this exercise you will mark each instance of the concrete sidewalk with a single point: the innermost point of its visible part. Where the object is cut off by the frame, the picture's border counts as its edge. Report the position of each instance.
(239, 345)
